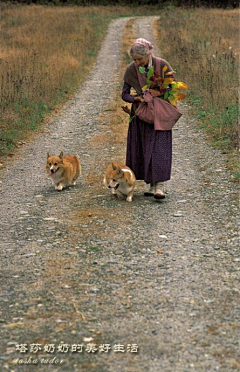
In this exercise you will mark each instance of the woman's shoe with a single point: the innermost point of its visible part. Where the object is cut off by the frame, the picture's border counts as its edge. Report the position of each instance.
(151, 191)
(159, 193)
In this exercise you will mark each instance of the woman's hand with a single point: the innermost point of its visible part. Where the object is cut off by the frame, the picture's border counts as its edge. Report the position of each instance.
(154, 93)
(157, 92)
(138, 99)
(126, 109)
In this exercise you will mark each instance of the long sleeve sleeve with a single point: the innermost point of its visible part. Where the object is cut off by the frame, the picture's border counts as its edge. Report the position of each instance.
(126, 96)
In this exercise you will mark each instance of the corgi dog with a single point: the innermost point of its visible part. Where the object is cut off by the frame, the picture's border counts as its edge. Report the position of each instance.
(63, 170)
(120, 179)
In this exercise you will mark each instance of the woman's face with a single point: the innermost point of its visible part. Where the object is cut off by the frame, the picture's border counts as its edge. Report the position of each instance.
(140, 60)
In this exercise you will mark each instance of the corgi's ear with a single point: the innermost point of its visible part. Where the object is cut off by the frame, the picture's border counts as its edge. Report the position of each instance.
(61, 155)
(114, 166)
(119, 171)
(48, 156)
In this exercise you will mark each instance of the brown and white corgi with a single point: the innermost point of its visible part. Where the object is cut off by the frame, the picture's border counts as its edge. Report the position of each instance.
(120, 179)
(63, 170)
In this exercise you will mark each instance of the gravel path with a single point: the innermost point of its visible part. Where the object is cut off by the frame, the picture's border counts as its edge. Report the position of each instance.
(82, 270)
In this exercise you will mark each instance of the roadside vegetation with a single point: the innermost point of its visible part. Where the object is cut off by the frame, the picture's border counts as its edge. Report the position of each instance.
(47, 53)
(203, 46)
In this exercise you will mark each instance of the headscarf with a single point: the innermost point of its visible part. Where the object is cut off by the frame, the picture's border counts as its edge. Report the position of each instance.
(144, 42)
(148, 47)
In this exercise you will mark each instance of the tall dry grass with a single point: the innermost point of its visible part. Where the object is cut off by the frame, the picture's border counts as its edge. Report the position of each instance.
(46, 53)
(203, 46)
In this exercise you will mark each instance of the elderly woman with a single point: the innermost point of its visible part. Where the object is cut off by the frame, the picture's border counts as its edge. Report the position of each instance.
(149, 151)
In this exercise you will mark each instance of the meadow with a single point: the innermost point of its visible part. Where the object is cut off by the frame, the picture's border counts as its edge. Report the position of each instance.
(47, 53)
(204, 50)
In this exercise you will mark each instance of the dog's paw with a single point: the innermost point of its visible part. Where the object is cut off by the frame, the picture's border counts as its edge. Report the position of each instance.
(59, 187)
(129, 199)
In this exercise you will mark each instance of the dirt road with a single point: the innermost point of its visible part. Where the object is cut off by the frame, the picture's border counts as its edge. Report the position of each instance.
(94, 284)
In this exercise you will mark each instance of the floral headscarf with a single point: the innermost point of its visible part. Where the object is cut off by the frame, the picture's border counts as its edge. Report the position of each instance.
(146, 49)
(144, 42)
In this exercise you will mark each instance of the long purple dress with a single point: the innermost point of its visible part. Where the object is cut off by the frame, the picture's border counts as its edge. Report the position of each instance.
(149, 151)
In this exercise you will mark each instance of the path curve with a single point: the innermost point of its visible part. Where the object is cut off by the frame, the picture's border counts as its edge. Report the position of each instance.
(80, 267)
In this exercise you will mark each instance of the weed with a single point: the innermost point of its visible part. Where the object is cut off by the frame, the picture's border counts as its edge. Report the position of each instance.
(205, 56)
(44, 58)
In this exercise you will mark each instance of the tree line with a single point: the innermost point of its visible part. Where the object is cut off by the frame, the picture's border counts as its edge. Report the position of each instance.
(184, 3)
